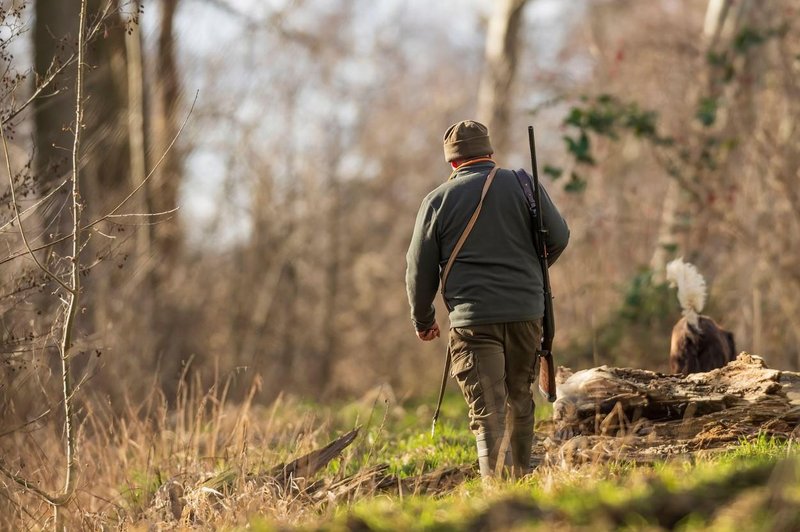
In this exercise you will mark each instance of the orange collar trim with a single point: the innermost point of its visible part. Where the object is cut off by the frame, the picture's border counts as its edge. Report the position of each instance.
(471, 162)
(474, 161)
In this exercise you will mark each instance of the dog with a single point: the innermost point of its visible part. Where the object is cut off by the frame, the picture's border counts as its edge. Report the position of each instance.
(698, 343)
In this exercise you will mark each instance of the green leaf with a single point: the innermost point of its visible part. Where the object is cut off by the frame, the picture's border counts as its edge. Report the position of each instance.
(553, 171)
(642, 123)
(747, 38)
(729, 72)
(606, 99)
(574, 118)
(717, 59)
(730, 144)
(583, 153)
(576, 184)
(670, 248)
(579, 148)
(707, 111)
(602, 121)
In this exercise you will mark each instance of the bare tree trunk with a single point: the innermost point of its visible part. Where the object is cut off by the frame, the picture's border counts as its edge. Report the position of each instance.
(163, 189)
(502, 47)
(161, 195)
(54, 39)
(146, 317)
(716, 14)
(333, 259)
(670, 231)
(288, 346)
(106, 154)
(106, 173)
(136, 127)
(106, 148)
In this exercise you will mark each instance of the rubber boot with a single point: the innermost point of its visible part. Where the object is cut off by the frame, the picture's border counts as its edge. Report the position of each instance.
(488, 448)
(521, 449)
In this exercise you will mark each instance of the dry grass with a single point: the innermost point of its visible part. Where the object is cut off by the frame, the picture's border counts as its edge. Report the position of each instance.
(129, 460)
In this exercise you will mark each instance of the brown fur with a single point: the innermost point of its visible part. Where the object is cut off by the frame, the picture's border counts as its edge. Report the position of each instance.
(704, 348)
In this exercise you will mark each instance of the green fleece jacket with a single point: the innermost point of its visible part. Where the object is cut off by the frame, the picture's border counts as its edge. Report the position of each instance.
(496, 277)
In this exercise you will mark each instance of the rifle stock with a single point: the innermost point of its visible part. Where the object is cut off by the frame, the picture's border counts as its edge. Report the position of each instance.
(547, 376)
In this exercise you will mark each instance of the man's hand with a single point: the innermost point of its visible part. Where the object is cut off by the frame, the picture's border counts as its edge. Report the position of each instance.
(430, 334)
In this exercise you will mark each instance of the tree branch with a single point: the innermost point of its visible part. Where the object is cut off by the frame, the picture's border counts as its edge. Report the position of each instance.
(113, 212)
(35, 205)
(55, 73)
(19, 220)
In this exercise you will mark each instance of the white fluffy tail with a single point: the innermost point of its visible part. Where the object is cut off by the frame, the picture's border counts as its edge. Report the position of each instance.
(691, 288)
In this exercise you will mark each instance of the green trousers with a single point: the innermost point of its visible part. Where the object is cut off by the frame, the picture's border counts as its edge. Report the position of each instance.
(495, 366)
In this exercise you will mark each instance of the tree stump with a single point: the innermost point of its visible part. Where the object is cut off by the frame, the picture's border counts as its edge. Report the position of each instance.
(640, 414)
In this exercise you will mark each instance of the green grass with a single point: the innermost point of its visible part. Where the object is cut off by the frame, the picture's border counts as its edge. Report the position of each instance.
(591, 498)
(614, 495)
(401, 438)
(601, 496)
(763, 447)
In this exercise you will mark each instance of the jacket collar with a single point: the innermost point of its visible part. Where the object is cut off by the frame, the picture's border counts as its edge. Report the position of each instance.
(472, 166)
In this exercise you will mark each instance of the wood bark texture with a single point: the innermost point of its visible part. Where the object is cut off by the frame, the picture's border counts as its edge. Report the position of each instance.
(502, 50)
(634, 413)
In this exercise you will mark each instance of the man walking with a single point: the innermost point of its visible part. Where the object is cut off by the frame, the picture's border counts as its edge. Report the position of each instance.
(493, 290)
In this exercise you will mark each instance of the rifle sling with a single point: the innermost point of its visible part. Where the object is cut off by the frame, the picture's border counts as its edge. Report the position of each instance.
(538, 243)
(446, 273)
(527, 190)
(465, 234)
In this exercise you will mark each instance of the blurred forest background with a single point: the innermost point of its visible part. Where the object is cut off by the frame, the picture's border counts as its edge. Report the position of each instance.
(665, 128)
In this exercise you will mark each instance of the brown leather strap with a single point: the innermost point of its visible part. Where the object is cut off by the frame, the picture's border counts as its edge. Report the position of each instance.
(465, 234)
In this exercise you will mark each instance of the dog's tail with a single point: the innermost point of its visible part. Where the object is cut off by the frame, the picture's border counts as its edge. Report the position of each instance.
(691, 288)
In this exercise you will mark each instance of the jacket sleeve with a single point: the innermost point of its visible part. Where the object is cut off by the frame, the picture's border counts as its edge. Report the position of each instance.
(557, 230)
(422, 268)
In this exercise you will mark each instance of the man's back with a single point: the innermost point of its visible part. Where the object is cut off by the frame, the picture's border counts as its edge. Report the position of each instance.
(496, 277)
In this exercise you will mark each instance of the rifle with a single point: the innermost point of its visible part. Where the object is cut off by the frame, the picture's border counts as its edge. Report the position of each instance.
(547, 374)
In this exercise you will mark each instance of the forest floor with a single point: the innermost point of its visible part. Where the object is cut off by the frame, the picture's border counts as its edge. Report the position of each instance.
(209, 465)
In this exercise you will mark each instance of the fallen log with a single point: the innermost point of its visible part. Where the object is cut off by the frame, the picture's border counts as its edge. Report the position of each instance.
(309, 464)
(655, 414)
